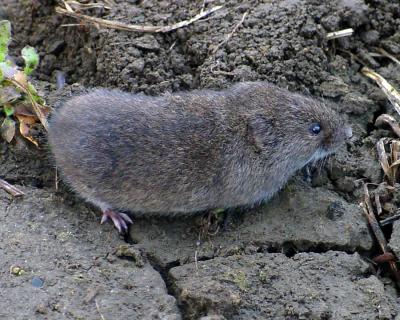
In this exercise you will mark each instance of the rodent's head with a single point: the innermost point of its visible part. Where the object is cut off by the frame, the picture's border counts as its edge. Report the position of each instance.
(298, 128)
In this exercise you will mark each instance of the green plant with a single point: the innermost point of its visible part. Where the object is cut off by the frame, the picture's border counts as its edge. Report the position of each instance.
(19, 100)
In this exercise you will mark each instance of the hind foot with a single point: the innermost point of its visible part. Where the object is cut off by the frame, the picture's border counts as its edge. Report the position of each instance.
(120, 220)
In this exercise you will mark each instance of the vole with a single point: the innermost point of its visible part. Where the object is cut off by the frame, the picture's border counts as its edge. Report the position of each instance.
(188, 151)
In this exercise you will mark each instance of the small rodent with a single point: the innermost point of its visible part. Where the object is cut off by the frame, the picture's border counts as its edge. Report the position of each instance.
(188, 151)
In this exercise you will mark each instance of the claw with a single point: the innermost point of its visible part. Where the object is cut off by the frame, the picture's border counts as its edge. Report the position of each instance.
(120, 220)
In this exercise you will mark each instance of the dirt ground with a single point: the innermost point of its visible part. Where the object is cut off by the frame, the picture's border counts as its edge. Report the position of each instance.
(304, 255)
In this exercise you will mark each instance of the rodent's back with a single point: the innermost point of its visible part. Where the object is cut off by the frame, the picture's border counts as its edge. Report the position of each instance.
(153, 148)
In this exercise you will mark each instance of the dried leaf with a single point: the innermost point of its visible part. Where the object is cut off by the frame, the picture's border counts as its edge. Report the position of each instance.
(21, 78)
(394, 164)
(7, 129)
(24, 109)
(24, 127)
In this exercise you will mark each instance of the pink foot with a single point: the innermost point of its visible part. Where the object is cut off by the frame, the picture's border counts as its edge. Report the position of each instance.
(120, 220)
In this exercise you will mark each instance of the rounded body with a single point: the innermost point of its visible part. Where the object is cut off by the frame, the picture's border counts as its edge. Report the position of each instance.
(187, 152)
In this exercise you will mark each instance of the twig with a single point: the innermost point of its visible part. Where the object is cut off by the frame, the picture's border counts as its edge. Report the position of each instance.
(389, 120)
(389, 220)
(56, 178)
(391, 93)
(384, 257)
(98, 310)
(15, 192)
(340, 34)
(136, 28)
(231, 33)
(196, 260)
(388, 55)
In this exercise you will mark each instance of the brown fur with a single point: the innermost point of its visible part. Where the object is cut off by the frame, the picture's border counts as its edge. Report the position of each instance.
(191, 151)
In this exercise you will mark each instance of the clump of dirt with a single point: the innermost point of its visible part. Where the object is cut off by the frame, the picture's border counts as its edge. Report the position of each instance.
(333, 285)
(279, 41)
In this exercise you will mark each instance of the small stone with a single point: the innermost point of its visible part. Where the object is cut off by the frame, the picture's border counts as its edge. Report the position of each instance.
(389, 207)
(371, 37)
(334, 87)
(56, 47)
(136, 66)
(394, 242)
(37, 282)
(130, 252)
(345, 184)
(335, 210)
(147, 42)
(41, 309)
(391, 46)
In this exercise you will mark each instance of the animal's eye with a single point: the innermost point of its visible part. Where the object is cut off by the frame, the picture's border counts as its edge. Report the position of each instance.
(315, 128)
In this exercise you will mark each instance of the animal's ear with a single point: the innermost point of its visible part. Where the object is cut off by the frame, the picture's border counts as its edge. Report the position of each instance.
(260, 132)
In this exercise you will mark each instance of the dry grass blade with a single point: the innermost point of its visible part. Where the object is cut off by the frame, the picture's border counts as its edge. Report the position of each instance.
(394, 157)
(391, 93)
(378, 205)
(15, 192)
(380, 148)
(231, 33)
(389, 120)
(340, 34)
(67, 6)
(82, 6)
(388, 55)
(136, 28)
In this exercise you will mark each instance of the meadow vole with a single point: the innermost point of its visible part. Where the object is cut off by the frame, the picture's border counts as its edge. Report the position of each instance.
(188, 151)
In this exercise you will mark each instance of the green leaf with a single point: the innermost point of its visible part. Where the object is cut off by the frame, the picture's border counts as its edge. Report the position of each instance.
(31, 59)
(35, 94)
(5, 36)
(32, 89)
(8, 110)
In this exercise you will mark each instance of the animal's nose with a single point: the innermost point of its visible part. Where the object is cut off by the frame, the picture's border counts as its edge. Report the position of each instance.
(348, 132)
